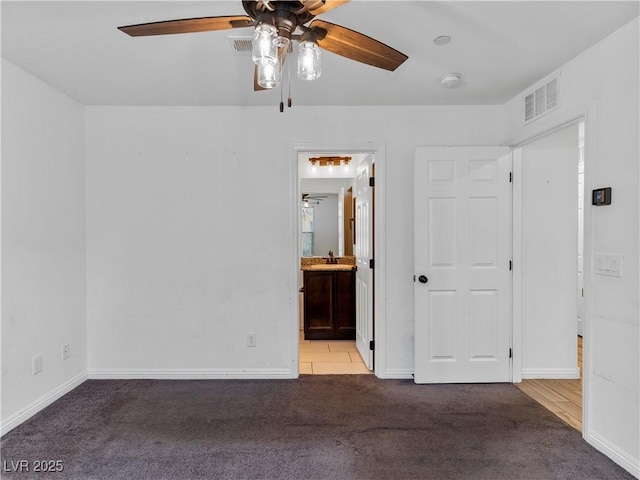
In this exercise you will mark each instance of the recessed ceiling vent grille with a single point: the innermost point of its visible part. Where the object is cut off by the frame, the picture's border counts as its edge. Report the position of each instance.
(240, 45)
(541, 101)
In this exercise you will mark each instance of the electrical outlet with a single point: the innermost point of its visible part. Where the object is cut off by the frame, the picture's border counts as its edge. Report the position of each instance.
(37, 364)
(66, 351)
(251, 339)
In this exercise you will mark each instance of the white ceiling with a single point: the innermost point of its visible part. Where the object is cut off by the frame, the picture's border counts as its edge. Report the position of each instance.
(500, 48)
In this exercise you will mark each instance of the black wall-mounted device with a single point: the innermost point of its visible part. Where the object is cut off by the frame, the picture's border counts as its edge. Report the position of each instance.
(601, 196)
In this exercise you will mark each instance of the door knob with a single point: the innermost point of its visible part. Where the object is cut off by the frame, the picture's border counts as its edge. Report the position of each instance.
(423, 279)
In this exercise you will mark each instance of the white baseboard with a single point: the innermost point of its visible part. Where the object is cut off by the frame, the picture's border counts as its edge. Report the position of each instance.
(626, 461)
(551, 373)
(192, 374)
(399, 373)
(44, 401)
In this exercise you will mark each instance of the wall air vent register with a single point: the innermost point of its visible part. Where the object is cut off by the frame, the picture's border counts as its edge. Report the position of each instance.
(541, 101)
(240, 45)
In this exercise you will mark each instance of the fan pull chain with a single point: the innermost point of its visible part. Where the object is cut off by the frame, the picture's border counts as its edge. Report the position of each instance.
(289, 75)
(281, 88)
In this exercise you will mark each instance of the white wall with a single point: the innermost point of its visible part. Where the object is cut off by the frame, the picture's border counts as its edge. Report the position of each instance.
(180, 266)
(603, 82)
(43, 243)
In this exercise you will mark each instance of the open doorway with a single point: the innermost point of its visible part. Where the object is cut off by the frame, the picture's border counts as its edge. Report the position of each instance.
(552, 242)
(334, 308)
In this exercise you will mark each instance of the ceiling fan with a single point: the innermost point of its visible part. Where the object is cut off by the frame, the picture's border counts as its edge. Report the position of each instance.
(276, 24)
(308, 200)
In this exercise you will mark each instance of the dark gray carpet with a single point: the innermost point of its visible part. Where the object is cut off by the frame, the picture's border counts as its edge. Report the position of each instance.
(340, 427)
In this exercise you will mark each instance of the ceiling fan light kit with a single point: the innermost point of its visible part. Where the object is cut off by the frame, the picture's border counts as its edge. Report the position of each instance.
(275, 24)
(270, 44)
(309, 60)
(268, 76)
(264, 49)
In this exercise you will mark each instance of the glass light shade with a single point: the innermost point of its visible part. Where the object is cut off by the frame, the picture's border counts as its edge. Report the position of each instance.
(268, 76)
(308, 60)
(263, 47)
(282, 42)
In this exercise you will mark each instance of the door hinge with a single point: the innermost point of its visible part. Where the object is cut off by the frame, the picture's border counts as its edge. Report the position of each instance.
(510, 353)
(510, 265)
(372, 345)
(372, 181)
(371, 263)
(510, 177)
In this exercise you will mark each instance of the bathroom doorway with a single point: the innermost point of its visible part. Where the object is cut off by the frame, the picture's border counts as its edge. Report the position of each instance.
(329, 195)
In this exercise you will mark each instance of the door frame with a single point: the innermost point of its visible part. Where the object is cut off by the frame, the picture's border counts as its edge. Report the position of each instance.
(588, 117)
(378, 151)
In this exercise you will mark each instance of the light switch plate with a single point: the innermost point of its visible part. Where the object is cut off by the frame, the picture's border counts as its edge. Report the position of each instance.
(609, 264)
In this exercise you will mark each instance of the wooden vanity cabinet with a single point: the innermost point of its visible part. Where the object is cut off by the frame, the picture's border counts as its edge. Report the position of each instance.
(329, 305)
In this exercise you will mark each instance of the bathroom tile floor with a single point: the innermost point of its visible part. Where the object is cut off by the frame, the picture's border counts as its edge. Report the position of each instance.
(324, 357)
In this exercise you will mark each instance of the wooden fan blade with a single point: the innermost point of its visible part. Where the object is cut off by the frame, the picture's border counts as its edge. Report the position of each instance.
(327, 5)
(188, 25)
(356, 46)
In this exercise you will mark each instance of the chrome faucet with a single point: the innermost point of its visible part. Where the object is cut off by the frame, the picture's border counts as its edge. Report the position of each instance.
(330, 259)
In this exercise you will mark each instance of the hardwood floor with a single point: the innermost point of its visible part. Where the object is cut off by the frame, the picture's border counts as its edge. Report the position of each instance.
(562, 397)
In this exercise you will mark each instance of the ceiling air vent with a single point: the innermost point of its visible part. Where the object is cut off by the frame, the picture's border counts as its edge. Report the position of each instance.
(541, 101)
(240, 45)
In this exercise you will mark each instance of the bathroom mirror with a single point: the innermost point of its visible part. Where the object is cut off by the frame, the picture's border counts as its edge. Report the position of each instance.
(326, 216)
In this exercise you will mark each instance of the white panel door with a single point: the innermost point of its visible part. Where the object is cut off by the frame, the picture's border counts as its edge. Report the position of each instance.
(364, 253)
(462, 253)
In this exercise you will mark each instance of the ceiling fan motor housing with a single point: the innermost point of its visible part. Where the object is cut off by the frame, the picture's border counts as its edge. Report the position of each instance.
(283, 16)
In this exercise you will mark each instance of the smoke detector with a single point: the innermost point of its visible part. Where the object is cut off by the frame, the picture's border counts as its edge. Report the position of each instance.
(442, 40)
(450, 80)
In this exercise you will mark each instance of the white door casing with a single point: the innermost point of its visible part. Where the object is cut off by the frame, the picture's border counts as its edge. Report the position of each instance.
(462, 247)
(580, 266)
(364, 253)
